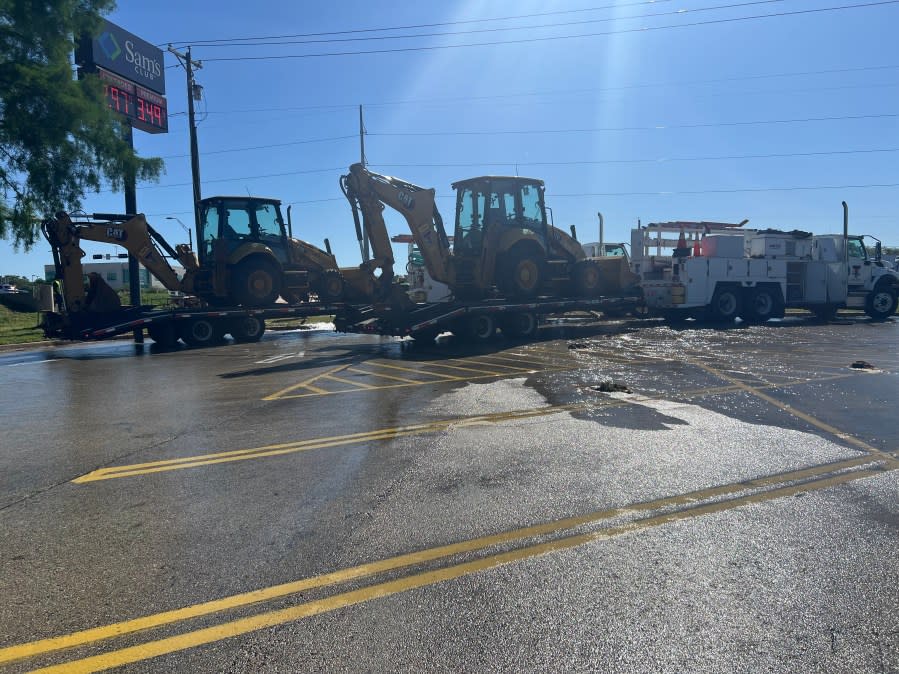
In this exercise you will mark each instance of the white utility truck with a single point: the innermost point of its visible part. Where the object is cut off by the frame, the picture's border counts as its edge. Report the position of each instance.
(721, 271)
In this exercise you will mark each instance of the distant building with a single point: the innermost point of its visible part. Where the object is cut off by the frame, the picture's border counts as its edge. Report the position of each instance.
(116, 274)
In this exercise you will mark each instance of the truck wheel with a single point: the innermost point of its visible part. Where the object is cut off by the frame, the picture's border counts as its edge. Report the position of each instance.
(163, 334)
(762, 303)
(331, 286)
(478, 328)
(520, 275)
(880, 303)
(256, 282)
(521, 325)
(201, 332)
(586, 278)
(725, 306)
(247, 329)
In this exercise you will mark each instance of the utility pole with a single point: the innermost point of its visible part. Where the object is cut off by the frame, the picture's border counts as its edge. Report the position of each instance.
(366, 250)
(194, 93)
(362, 139)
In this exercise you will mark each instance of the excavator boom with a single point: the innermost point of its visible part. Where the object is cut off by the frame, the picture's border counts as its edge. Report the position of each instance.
(131, 232)
(369, 192)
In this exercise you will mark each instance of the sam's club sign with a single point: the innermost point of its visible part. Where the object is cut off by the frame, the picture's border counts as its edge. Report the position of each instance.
(125, 54)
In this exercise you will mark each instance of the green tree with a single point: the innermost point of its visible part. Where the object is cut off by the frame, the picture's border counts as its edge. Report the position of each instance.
(58, 138)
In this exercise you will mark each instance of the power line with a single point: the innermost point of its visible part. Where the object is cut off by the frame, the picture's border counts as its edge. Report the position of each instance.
(421, 25)
(677, 12)
(644, 29)
(676, 193)
(659, 160)
(265, 147)
(659, 127)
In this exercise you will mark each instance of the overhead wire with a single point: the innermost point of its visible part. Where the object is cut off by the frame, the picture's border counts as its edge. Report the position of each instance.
(422, 25)
(532, 39)
(678, 12)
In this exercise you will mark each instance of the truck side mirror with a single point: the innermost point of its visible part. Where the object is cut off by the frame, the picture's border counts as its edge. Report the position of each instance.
(878, 251)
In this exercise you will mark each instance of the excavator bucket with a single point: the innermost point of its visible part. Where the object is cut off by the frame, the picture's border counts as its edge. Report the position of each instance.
(616, 278)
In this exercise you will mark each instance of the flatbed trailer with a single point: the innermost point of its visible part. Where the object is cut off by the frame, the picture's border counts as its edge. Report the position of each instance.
(196, 326)
(475, 321)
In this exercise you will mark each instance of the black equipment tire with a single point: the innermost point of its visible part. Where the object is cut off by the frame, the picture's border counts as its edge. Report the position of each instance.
(201, 332)
(256, 282)
(726, 304)
(520, 274)
(331, 286)
(478, 328)
(586, 278)
(247, 329)
(522, 325)
(880, 303)
(762, 303)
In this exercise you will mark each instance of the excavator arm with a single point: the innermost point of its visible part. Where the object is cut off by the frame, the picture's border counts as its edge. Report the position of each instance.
(369, 192)
(128, 231)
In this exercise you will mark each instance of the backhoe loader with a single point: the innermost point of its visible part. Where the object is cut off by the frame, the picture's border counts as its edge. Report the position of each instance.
(501, 240)
(246, 257)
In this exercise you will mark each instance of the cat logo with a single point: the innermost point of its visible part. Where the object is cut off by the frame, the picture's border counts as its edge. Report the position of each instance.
(406, 199)
(116, 233)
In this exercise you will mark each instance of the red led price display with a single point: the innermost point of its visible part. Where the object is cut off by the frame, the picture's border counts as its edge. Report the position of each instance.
(146, 110)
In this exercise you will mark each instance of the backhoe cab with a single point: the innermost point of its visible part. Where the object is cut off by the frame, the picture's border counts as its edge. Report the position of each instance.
(248, 257)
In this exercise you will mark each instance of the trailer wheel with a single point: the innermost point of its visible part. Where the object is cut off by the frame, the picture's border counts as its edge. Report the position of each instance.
(586, 278)
(762, 303)
(726, 305)
(247, 329)
(256, 282)
(163, 334)
(331, 286)
(880, 303)
(521, 325)
(520, 274)
(478, 328)
(201, 332)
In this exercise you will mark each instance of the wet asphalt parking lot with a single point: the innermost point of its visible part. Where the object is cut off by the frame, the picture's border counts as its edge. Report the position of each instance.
(621, 497)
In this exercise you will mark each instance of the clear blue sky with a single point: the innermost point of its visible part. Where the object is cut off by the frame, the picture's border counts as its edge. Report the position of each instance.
(583, 109)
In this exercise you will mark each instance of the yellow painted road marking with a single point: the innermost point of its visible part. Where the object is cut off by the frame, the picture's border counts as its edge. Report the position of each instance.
(360, 384)
(808, 418)
(361, 571)
(281, 449)
(318, 443)
(279, 394)
(384, 376)
(483, 359)
(414, 371)
(465, 369)
(385, 589)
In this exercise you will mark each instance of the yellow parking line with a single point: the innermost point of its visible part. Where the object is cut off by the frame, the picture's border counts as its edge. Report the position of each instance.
(360, 384)
(488, 362)
(528, 361)
(417, 580)
(384, 376)
(413, 370)
(465, 369)
(305, 384)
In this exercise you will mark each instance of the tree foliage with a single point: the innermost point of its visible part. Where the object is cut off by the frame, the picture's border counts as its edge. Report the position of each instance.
(58, 138)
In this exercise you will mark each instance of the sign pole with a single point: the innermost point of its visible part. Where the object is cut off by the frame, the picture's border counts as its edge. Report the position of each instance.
(131, 209)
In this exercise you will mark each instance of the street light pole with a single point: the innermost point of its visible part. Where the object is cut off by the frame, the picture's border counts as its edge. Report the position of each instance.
(190, 236)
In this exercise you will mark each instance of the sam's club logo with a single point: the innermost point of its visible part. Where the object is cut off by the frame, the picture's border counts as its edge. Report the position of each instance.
(109, 45)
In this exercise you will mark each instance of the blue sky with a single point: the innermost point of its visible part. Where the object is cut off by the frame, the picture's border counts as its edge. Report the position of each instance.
(619, 111)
